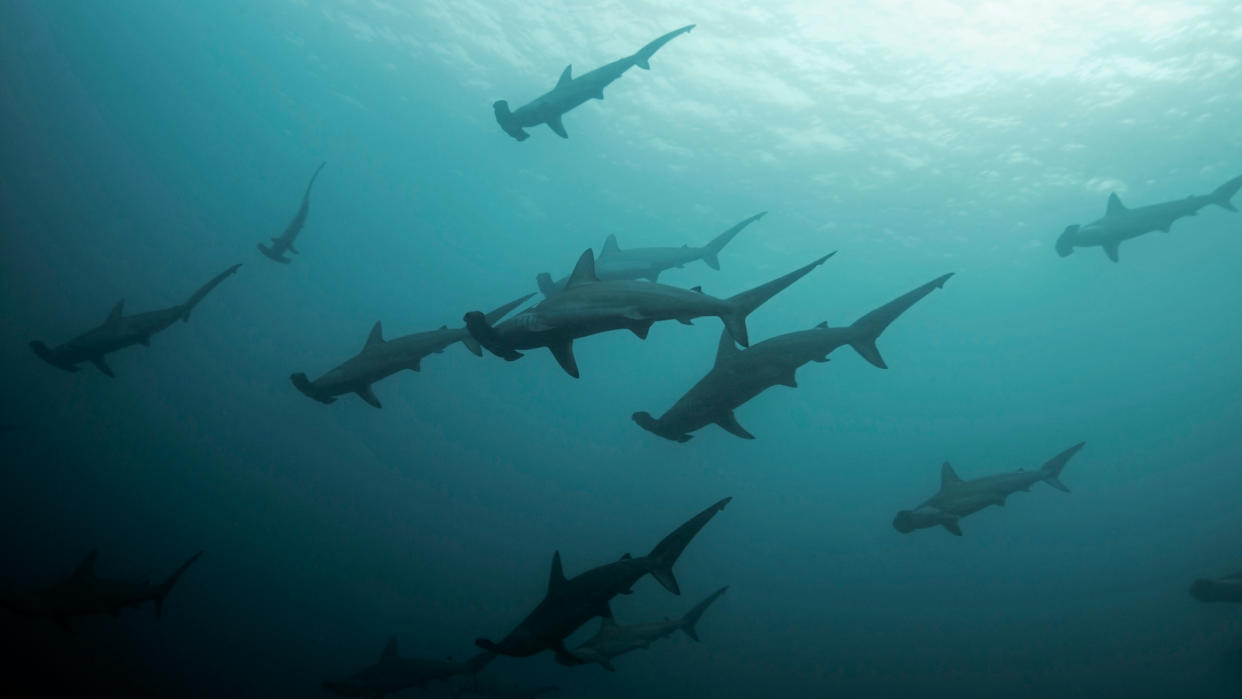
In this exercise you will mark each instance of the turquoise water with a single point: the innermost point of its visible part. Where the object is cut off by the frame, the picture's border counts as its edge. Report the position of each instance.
(147, 146)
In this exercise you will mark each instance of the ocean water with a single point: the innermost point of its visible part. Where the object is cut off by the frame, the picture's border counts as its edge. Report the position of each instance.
(146, 146)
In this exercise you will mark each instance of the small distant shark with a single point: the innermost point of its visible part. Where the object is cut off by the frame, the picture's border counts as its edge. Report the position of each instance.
(84, 594)
(382, 358)
(119, 331)
(612, 640)
(1226, 589)
(958, 498)
(589, 306)
(647, 263)
(284, 242)
(1121, 224)
(570, 92)
(570, 603)
(393, 673)
(740, 375)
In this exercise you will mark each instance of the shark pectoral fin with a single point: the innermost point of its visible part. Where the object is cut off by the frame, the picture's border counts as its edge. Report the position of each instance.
(365, 393)
(788, 380)
(563, 656)
(564, 353)
(605, 611)
(292, 249)
(599, 95)
(146, 341)
(606, 664)
(641, 328)
(712, 261)
(416, 365)
(686, 321)
(730, 424)
(555, 124)
(952, 525)
(102, 365)
(1111, 249)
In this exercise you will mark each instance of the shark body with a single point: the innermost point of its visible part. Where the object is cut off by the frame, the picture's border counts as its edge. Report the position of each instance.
(1120, 223)
(571, 92)
(119, 331)
(614, 263)
(740, 375)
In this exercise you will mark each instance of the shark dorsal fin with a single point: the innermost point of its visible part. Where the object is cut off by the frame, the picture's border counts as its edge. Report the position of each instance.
(566, 75)
(85, 569)
(115, 314)
(947, 475)
(556, 578)
(697, 289)
(1114, 205)
(823, 325)
(584, 271)
(727, 349)
(444, 327)
(376, 337)
(390, 651)
(610, 246)
(626, 557)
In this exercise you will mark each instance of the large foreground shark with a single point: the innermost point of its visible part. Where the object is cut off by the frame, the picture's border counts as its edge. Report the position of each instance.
(740, 375)
(647, 263)
(382, 358)
(958, 498)
(284, 242)
(570, 603)
(1226, 589)
(393, 673)
(1121, 224)
(612, 640)
(589, 306)
(119, 331)
(84, 594)
(570, 92)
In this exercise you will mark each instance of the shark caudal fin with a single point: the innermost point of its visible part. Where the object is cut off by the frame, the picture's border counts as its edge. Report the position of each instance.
(692, 617)
(1222, 194)
(504, 117)
(198, 296)
(867, 329)
(273, 254)
(1052, 469)
(642, 58)
(744, 303)
(162, 591)
(666, 553)
(712, 249)
(547, 286)
(483, 332)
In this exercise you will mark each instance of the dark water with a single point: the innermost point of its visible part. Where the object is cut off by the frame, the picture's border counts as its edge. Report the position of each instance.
(147, 146)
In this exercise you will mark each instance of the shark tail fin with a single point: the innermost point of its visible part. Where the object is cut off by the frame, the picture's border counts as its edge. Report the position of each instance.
(666, 553)
(712, 249)
(203, 291)
(1052, 469)
(746, 302)
(1222, 194)
(547, 286)
(162, 591)
(486, 335)
(867, 329)
(272, 254)
(692, 617)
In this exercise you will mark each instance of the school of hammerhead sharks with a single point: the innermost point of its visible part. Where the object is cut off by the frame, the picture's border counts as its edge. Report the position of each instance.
(618, 290)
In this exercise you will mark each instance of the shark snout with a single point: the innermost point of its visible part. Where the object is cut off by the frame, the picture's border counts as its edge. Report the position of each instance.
(904, 522)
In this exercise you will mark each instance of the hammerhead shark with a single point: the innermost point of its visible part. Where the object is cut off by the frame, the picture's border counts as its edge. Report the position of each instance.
(647, 263)
(84, 594)
(1226, 589)
(1121, 224)
(570, 603)
(119, 331)
(284, 242)
(570, 92)
(589, 306)
(740, 375)
(958, 498)
(382, 358)
(612, 640)
(393, 673)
